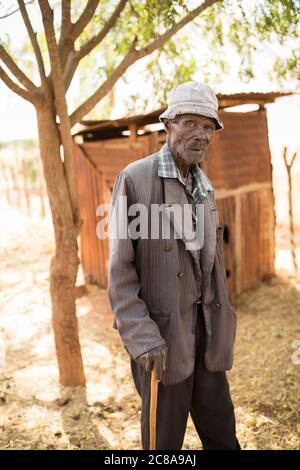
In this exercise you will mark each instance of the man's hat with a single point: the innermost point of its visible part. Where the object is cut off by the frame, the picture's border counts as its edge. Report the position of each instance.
(194, 98)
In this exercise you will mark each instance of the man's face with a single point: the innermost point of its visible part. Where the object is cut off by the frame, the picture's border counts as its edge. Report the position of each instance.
(189, 136)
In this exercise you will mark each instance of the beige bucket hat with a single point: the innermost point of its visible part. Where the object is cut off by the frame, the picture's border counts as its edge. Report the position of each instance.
(194, 98)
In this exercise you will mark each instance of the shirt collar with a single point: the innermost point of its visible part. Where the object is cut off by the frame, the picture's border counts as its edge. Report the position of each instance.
(167, 168)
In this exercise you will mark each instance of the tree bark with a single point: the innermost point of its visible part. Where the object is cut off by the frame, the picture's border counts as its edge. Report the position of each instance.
(64, 264)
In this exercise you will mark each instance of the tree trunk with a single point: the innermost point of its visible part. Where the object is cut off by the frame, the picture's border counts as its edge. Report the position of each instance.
(64, 264)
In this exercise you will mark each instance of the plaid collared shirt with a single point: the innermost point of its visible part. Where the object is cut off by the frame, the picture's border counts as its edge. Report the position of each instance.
(167, 168)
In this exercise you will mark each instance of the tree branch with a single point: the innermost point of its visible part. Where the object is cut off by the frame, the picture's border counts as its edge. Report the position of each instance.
(76, 56)
(65, 16)
(15, 88)
(84, 18)
(287, 164)
(161, 39)
(293, 159)
(66, 43)
(69, 31)
(33, 39)
(14, 11)
(56, 71)
(132, 56)
(86, 107)
(16, 71)
(61, 105)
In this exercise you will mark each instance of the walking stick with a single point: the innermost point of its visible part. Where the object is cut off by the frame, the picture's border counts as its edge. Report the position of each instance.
(153, 409)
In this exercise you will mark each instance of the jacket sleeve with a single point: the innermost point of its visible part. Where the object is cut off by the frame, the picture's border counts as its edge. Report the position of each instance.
(138, 331)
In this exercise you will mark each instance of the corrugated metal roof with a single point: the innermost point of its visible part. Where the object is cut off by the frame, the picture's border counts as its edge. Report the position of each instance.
(225, 101)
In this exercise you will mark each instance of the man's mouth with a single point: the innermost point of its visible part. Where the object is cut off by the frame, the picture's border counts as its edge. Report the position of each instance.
(197, 148)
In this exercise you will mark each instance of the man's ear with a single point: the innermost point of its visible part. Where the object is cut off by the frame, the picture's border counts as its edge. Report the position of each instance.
(167, 125)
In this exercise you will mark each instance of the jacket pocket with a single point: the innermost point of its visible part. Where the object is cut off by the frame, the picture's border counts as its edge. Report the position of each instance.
(220, 234)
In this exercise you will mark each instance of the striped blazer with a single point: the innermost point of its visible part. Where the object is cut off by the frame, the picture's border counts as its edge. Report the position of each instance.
(155, 285)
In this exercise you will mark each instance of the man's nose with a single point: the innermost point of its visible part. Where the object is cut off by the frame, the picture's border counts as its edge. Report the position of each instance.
(200, 133)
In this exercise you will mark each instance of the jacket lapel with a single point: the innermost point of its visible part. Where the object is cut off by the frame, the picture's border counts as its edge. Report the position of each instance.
(208, 252)
(175, 197)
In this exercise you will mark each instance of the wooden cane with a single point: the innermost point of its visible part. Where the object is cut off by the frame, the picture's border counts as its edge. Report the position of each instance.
(153, 409)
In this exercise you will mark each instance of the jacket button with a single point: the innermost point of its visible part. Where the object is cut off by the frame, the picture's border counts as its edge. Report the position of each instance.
(168, 247)
(198, 301)
(218, 305)
(180, 274)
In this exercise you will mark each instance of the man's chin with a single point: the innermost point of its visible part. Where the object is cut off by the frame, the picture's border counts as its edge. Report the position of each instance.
(194, 156)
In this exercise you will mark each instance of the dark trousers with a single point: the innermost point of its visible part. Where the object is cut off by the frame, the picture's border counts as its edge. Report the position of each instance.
(204, 394)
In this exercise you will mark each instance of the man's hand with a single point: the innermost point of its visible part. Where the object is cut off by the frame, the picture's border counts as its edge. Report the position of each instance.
(156, 358)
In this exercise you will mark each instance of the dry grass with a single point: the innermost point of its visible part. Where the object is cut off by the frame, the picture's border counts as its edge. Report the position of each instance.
(265, 383)
(37, 414)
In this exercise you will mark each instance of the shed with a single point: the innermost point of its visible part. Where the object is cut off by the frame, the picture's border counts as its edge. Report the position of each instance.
(238, 164)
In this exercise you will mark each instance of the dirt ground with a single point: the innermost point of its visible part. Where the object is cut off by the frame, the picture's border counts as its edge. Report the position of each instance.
(36, 413)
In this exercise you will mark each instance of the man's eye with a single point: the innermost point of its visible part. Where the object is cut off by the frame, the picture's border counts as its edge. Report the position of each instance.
(191, 123)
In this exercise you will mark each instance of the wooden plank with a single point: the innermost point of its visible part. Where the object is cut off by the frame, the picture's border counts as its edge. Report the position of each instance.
(257, 222)
(241, 156)
(227, 212)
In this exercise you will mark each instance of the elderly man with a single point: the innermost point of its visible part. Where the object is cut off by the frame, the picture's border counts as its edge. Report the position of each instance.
(168, 296)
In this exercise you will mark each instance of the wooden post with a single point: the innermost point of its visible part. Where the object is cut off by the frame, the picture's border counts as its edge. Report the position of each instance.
(290, 200)
(238, 245)
(133, 133)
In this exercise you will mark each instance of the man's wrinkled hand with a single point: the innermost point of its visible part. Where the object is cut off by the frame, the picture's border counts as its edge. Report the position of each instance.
(156, 358)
